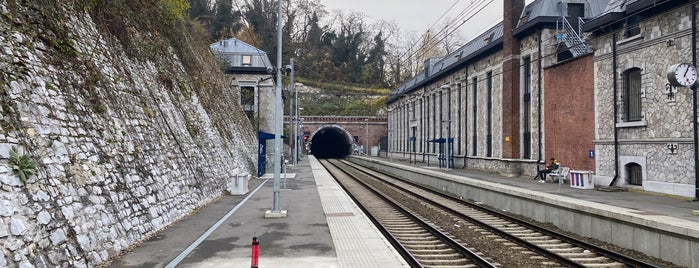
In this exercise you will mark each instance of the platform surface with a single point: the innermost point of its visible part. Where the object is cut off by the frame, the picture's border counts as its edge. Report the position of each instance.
(323, 228)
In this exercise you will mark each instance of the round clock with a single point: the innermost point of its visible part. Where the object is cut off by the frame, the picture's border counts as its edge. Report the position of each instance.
(682, 75)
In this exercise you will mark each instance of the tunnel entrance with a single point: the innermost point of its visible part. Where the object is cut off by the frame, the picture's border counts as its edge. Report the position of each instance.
(331, 142)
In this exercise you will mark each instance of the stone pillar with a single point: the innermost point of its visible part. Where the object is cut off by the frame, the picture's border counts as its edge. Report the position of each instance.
(510, 79)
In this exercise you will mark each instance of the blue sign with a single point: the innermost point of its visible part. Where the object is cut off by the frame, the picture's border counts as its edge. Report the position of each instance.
(411, 138)
(591, 153)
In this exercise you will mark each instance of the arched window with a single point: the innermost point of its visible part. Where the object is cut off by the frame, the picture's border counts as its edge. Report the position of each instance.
(634, 174)
(632, 95)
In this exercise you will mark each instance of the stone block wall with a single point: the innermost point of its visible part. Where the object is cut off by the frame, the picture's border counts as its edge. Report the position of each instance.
(664, 40)
(125, 145)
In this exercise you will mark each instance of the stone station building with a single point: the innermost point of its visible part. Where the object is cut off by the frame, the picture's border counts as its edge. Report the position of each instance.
(582, 81)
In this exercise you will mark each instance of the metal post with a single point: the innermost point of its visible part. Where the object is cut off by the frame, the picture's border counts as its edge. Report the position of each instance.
(278, 115)
(295, 107)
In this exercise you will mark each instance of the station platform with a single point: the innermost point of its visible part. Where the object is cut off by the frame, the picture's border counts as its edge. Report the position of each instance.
(645, 203)
(322, 228)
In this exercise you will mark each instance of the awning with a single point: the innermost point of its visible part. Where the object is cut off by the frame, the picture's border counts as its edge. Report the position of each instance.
(266, 136)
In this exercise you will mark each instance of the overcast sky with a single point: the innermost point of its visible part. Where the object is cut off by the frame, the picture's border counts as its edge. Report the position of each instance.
(419, 15)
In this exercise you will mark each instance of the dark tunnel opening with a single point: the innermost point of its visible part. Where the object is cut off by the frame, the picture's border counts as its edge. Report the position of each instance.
(331, 142)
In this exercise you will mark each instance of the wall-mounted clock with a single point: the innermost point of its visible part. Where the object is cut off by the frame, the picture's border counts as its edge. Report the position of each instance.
(682, 75)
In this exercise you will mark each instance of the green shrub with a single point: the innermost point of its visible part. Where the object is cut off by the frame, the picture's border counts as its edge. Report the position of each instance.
(22, 166)
(174, 8)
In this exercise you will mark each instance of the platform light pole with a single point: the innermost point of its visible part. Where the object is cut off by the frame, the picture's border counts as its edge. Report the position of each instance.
(276, 212)
(294, 124)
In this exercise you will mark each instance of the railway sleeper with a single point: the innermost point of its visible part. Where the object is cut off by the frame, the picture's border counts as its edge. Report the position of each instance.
(413, 234)
(572, 255)
(460, 262)
(598, 259)
(512, 228)
(437, 256)
(412, 247)
(554, 244)
(400, 224)
(411, 241)
(445, 250)
(610, 265)
(407, 230)
(421, 239)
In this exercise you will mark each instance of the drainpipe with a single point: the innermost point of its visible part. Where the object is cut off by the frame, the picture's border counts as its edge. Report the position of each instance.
(616, 110)
(694, 102)
(539, 79)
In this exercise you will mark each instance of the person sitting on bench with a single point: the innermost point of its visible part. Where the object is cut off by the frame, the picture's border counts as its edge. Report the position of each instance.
(550, 168)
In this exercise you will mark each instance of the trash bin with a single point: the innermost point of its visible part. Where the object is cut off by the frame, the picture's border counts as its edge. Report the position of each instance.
(581, 179)
(238, 185)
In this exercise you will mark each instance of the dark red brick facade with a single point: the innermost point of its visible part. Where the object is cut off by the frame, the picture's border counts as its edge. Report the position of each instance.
(569, 113)
(510, 82)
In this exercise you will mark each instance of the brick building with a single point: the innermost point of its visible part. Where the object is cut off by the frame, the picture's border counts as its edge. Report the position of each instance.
(507, 100)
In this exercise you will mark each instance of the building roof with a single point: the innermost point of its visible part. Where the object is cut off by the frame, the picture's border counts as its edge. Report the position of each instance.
(538, 14)
(434, 69)
(541, 13)
(241, 57)
(617, 10)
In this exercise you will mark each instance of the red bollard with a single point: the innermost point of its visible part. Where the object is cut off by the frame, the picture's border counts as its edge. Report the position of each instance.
(255, 252)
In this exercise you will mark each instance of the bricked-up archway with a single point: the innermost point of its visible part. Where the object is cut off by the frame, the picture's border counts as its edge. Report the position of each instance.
(331, 142)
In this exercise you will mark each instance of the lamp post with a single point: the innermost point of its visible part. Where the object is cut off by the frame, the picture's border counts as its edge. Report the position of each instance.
(298, 129)
(447, 88)
(276, 212)
(295, 107)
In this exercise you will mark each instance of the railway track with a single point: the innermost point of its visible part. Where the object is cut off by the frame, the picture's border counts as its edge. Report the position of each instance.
(417, 240)
(542, 247)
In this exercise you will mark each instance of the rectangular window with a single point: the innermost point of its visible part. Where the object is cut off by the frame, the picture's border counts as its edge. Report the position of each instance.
(422, 115)
(247, 100)
(475, 116)
(246, 60)
(458, 119)
(434, 119)
(441, 114)
(632, 26)
(632, 95)
(412, 110)
(526, 108)
(576, 10)
(427, 124)
(489, 114)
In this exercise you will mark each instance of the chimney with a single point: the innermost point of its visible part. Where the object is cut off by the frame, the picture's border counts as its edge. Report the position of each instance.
(510, 79)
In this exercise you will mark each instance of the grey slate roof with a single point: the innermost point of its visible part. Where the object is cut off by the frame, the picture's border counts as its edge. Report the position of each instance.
(556, 8)
(474, 48)
(539, 11)
(233, 49)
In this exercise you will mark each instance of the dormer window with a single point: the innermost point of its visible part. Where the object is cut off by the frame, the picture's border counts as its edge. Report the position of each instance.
(632, 27)
(246, 60)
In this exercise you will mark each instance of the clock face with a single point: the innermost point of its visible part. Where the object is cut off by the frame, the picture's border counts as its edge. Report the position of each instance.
(682, 74)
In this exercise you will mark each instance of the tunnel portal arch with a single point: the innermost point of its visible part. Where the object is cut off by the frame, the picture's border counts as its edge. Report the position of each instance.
(331, 141)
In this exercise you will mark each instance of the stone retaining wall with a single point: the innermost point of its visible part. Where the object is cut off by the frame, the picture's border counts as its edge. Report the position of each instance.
(124, 145)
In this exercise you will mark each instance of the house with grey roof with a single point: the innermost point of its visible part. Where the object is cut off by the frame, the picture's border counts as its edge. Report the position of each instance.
(251, 75)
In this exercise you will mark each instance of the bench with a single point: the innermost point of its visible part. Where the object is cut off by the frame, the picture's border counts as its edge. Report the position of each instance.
(559, 174)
